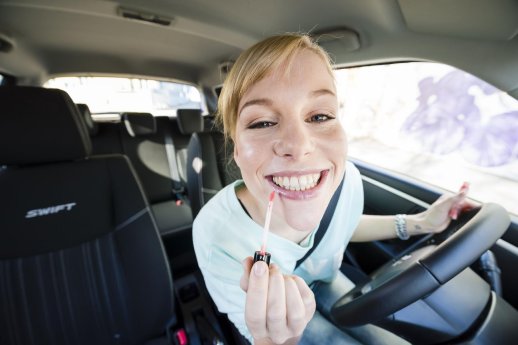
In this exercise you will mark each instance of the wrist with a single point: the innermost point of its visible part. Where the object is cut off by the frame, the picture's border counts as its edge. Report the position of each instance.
(407, 225)
(415, 224)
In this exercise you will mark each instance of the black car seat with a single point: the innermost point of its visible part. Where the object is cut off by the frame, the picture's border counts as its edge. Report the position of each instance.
(209, 167)
(148, 142)
(91, 125)
(81, 261)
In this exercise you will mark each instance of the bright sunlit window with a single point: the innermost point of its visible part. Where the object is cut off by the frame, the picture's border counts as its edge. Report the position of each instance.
(116, 95)
(434, 123)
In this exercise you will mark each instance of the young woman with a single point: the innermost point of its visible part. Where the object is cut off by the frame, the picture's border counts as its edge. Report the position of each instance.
(279, 107)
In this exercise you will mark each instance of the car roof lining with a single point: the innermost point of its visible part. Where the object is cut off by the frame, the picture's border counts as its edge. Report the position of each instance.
(205, 33)
(472, 19)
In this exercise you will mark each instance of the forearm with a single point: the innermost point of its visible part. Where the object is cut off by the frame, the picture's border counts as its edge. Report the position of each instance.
(375, 228)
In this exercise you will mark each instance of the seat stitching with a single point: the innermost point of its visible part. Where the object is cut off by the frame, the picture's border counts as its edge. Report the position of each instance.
(132, 219)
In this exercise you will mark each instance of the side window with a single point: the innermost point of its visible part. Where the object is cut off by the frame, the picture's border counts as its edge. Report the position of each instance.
(1, 79)
(434, 123)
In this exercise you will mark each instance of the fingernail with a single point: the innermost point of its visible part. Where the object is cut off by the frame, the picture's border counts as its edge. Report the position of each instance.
(454, 214)
(259, 268)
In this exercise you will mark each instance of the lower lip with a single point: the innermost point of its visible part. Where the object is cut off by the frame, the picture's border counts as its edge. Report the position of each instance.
(301, 194)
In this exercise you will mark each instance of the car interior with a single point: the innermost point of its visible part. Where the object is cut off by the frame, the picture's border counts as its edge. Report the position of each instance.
(97, 212)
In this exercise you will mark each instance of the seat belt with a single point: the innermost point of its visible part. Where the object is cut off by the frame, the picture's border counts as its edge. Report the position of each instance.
(178, 188)
(324, 224)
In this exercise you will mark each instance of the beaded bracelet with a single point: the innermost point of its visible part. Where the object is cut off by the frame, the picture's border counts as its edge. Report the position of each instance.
(401, 230)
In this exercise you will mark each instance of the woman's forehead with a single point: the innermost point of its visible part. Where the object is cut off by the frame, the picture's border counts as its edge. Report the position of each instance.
(298, 63)
(305, 69)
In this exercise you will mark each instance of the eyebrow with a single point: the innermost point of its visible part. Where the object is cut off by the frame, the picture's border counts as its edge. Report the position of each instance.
(268, 102)
(322, 92)
(258, 101)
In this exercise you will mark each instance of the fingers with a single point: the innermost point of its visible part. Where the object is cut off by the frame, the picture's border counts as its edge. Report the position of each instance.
(308, 298)
(443, 210)
(296, 316)
(278, 307)
(468, 206)
(462, 206)
(451, 204)
(464, 189)
(458, 201)
(289, 320)
(247, 266)
(256, 300)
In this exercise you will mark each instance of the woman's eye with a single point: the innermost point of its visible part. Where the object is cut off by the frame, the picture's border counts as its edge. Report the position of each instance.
(320, 118)
(261, 124)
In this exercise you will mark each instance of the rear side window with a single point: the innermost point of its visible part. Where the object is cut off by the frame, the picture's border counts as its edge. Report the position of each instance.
(434, 123)
(117, 94)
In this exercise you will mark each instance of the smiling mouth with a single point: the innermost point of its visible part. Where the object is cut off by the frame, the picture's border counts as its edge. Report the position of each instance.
(297, 183)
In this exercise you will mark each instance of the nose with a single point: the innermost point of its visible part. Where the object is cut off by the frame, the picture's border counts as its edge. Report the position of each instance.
(294, 141)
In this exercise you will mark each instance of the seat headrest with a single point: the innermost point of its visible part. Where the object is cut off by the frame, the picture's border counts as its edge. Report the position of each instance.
(189, 120)
(91, 125)
(138, 124)
(39, 125)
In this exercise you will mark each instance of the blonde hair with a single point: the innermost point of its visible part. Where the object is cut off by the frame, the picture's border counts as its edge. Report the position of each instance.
(253, 65)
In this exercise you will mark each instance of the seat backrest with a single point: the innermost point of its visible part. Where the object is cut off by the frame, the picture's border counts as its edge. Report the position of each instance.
(145, 148)
(209, 167)
(81, 261)
(145, 140)
(91, 125)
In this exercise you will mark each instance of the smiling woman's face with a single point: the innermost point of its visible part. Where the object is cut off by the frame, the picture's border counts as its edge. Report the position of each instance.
(288, 138)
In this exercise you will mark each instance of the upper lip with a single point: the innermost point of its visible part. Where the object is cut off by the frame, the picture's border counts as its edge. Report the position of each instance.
(296, 172)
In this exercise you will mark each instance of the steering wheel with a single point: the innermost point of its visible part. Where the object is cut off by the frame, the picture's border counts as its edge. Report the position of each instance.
(400, 283)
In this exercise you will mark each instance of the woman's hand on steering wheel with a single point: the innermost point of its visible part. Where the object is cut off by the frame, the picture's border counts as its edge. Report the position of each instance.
(437, 218)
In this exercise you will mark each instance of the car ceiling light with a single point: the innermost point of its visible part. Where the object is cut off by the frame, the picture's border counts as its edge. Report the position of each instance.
(144, 16)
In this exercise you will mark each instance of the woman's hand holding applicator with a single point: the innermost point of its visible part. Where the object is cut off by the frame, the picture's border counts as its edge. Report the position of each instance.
(278, 307)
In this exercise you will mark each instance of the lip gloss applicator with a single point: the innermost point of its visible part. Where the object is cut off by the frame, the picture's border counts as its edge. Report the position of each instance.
(263, 255)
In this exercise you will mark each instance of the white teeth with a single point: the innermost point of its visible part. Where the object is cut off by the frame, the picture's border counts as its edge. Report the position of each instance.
(297, 183)
(294, 183)
(303, 180)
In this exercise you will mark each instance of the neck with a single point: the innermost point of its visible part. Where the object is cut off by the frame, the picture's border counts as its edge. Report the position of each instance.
(278, 226)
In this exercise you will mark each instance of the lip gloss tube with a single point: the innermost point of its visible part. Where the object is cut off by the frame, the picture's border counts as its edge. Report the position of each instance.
(259, 255)
(263, 255)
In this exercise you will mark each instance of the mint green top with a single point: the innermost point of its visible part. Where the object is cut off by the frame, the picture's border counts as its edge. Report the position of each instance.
(224, 235)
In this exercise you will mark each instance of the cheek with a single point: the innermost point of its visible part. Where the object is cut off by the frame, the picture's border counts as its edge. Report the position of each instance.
(345, 144)
(336, 141)
(248, 153)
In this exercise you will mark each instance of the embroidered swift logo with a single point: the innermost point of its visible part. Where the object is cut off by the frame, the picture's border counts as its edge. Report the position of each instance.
(39, 212)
